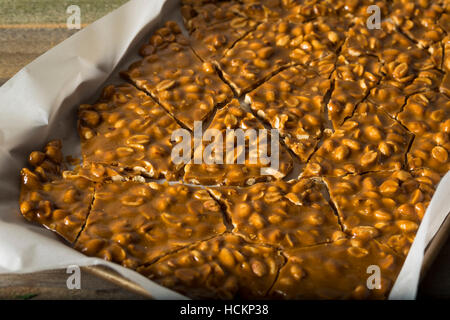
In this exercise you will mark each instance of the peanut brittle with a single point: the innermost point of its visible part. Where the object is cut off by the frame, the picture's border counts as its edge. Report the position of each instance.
(234, 168)
(225, 267)
(445, 85)
(426, 112)
(134, 223)
(391, 96)
(197, 16)
(293, 102)
(339, 270)
(215, 27)
(311, 9)
(127, 129)
(261, 10)
(351, 9)
(285, 214)
(444, 22)
(431, 150)
(388, 98)
(353, 78)
(418, 20)
(274, 45)
(401, 57)
(211, 43)
(368, 141)
(427, 115)
(50, 198)
(427, 80)
(388, 206)
(174, 76)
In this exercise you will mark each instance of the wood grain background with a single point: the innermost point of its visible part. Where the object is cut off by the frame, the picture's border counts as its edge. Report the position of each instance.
(28, 28)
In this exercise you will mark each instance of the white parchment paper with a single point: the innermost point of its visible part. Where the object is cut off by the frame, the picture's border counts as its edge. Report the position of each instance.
(39, 103)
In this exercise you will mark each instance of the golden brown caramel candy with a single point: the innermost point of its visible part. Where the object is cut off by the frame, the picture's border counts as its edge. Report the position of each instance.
(285, 214)
(231, 172)
(60, 204)
(427, 115)
(134, 223)
(339, 270)
(212, 42)
(353, 78)
(127, 129)
(272, 46)
(215, 27)
(198, 16)
(225, 267)
(368, 141)
(418, 20)
(444, 21)
(400, 56)
(445, 85)
(312, 9)
(171, 72)
(387, 206)
(293, 102)
(388, 98)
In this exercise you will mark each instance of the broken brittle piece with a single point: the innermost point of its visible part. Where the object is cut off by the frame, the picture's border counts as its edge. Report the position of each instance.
(293, 102)
(170, 71)
(352, 79)
(225, 267)
(357, 9)
(387, 206)
(134, 223)
(445, 85)
(274, 45)
(338, 270)
(368, 141)
(198, 16)
(211, 43)
(418, 20)
(242, 164)
(215, 27)
(61, 203)
(126, 129)
(388, 98)
(401, 57)
(391, 97)
(284, 214)
(427, 115)
(426, 112)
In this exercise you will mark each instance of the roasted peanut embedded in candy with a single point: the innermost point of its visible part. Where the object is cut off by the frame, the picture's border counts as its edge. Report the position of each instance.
(361, 134)
(155, 219)
(226, 268)
(141, 137)
(59, 203)
(383, 205)
(338, 267)
(353, 79)
(296, 214)
(231, 171)
(288, 42)
(296, 109)
(426, 114)
(164, 79)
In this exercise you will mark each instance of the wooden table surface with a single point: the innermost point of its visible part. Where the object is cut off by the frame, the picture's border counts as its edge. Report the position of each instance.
(28, 29)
